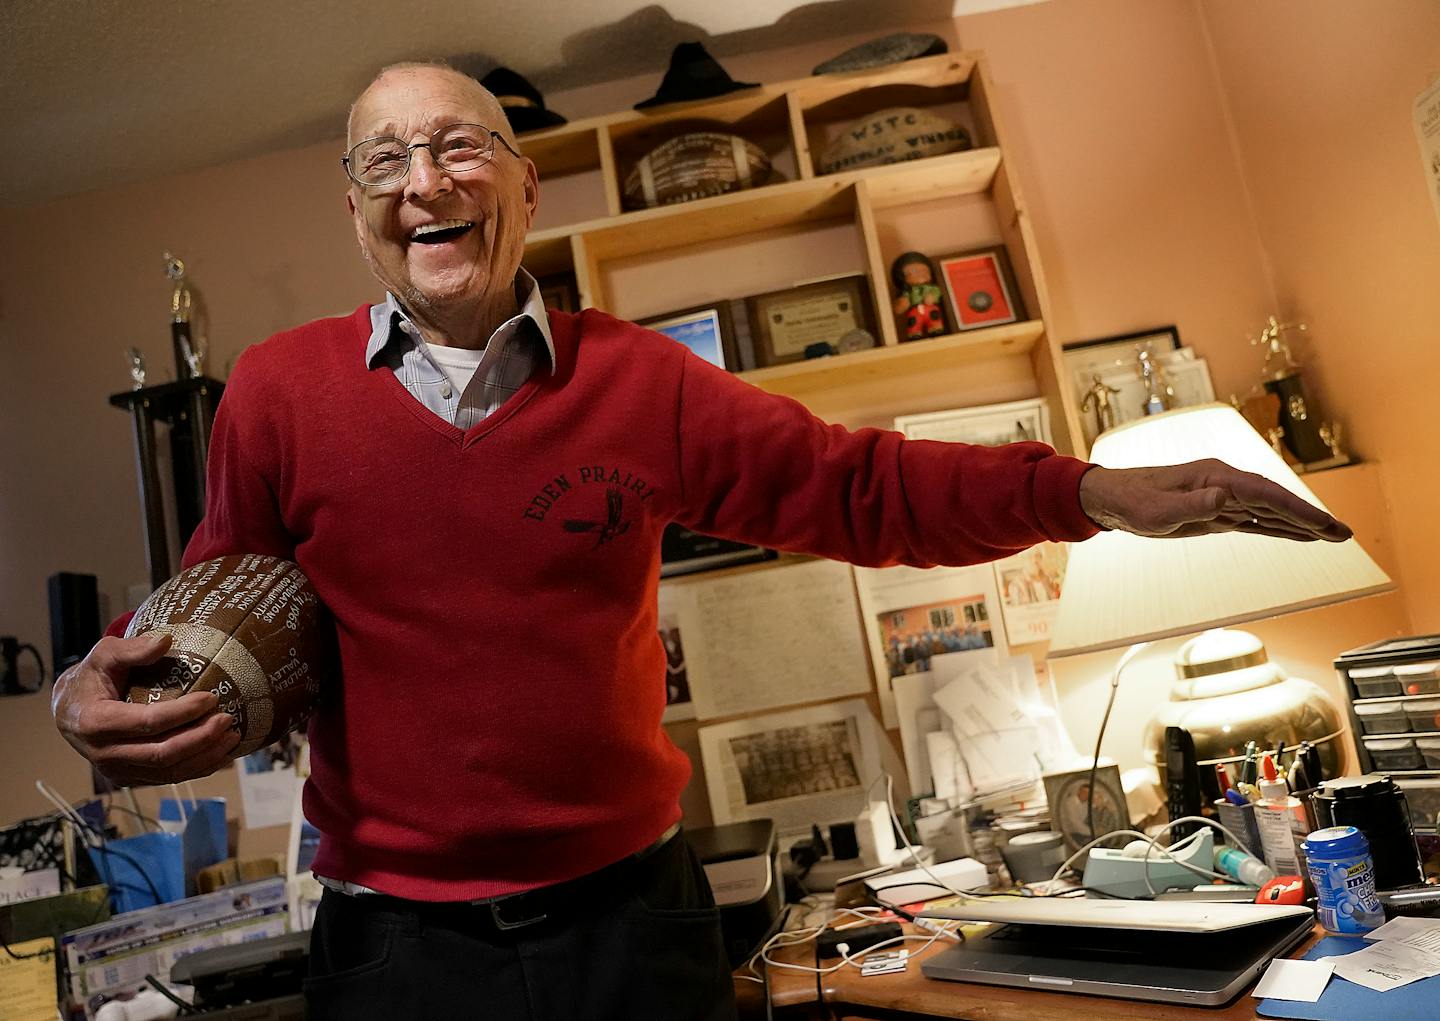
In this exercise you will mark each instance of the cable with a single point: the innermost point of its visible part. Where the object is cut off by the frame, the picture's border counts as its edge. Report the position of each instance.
(169, 994)
(1125, 659)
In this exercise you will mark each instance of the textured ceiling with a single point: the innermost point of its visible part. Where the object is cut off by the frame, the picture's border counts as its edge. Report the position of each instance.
(109, 91)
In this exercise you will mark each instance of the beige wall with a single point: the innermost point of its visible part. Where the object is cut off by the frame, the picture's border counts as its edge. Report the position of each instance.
(1321, 93)
(1119, 122)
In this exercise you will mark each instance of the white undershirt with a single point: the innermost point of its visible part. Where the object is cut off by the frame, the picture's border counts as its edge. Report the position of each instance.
(459, 363)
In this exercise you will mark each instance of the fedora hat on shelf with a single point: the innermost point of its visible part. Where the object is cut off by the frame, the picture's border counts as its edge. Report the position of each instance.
(523, 105)
(693, 74)
(889, 49)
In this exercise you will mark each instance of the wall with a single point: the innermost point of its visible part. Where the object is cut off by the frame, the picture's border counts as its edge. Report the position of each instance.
(1321, 96)
(1115, 121)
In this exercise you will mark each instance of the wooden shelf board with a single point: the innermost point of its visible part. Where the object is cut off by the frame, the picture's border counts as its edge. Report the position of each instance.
(799, 378)
(938, 177)
(778, 205)
(946, 69)
(559, 151)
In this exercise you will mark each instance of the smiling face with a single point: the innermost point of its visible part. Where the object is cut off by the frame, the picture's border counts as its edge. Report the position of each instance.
(447, 244)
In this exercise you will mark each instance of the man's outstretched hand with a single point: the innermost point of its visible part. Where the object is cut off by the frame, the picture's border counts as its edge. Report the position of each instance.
(1199, 498)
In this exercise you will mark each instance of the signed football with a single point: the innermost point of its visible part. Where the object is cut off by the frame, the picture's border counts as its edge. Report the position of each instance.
(893, 136)
(695, 166)
(251, 629)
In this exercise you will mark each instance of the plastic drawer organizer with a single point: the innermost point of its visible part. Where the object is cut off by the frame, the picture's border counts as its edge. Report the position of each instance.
(1394, 690)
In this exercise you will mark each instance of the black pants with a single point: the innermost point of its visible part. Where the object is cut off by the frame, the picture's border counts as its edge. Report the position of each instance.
(645, 947)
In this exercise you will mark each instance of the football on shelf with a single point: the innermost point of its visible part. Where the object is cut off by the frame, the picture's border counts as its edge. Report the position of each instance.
(893, 136)
(695, 166)
(251, 629)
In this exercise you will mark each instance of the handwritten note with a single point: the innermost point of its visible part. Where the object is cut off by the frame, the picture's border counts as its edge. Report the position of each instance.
(772, 637)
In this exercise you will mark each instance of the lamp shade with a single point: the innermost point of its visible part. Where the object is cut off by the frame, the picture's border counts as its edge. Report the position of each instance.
(1121, 588)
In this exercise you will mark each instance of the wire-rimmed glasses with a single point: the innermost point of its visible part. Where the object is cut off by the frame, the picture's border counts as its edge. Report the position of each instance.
(383, 160)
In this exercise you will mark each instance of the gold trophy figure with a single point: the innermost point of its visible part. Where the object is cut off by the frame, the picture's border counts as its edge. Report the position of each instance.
(1098, 397)
(1158, 394)
(189, 350)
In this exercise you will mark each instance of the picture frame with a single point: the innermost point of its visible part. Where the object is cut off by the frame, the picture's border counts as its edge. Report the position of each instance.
(785, 324)
(706, 330)
(1107, 353)
(560, 292)
(987, 425)
(980, 289)
(1114, 360)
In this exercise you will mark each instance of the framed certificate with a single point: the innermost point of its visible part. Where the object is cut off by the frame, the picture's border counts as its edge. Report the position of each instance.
(981, 289)
(784, 325)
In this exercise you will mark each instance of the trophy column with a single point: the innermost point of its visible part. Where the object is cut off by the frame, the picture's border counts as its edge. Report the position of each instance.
(187, 406)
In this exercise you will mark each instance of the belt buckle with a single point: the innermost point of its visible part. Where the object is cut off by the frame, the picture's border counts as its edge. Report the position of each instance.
(505, 926)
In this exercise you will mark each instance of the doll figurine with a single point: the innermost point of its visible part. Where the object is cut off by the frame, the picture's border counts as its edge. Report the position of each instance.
(920, 300)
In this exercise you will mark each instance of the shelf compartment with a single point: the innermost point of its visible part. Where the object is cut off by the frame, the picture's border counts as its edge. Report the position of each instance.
(776, 205)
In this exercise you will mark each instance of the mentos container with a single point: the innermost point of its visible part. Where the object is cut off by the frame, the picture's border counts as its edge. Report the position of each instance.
(1343, 874)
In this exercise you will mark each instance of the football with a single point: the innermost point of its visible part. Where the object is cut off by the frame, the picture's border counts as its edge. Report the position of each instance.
(251, 629)
(695, 166)
(893, 136)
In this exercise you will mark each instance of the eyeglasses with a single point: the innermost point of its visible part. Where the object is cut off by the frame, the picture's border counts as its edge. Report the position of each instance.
(384, 160)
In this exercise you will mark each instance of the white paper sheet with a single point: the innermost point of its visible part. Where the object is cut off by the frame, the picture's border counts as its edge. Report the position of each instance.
(1385, 965)
(770, 637)
(799, 768)
(917, 715)
(913, 616)
(1301, 981)
(998, 741)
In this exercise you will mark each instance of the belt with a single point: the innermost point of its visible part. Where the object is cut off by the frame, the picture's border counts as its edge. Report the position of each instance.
(518, 910)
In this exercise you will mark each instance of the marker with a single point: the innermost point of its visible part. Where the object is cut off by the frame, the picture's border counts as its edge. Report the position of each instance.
(1235, 797)
(1222, 777)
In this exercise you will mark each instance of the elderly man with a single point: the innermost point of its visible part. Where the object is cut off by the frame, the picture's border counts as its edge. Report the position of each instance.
(477, 488)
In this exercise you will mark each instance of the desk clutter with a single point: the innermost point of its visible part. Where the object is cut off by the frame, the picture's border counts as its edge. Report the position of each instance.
(1023, 890)
(110, 914)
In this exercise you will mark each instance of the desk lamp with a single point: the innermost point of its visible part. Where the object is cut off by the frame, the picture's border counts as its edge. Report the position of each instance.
(1125, 590)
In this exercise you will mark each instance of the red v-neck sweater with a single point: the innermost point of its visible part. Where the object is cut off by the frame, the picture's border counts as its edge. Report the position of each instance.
(494, 590)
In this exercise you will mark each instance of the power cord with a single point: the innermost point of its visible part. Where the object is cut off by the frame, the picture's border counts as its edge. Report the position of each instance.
(1125, 659)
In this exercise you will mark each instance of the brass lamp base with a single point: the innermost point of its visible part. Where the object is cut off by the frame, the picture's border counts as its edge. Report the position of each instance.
(1227, 693)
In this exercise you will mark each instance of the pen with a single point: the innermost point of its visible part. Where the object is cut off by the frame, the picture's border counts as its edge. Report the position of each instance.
(1249, 769)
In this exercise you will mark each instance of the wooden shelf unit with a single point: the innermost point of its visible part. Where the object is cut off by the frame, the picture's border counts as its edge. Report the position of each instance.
(793, 121)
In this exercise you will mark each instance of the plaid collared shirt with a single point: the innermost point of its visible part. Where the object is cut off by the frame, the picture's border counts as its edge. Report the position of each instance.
(511, 356)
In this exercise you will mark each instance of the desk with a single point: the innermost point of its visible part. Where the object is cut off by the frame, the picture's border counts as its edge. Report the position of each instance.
(909, 995)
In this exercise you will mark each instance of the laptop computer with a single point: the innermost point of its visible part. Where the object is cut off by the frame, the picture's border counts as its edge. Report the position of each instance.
(1164, 952)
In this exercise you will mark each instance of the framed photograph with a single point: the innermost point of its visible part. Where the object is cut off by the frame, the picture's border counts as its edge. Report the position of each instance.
(559, 291)
(1111, 365)
(1107, 353)
(981, 289)
(784, 324)
(988, 425)
(706, 330)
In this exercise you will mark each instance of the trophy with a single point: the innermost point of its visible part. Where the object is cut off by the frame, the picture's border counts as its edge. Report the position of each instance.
(1300, 426)
(1158, 394)
(189, 350)
(1098, 397)
(136, 361)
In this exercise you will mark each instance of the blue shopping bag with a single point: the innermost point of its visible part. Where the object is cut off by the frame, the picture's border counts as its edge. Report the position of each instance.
(141, 871)
(201, 825)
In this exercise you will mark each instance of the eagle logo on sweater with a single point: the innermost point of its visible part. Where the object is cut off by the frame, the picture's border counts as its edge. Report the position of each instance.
(614, 525)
